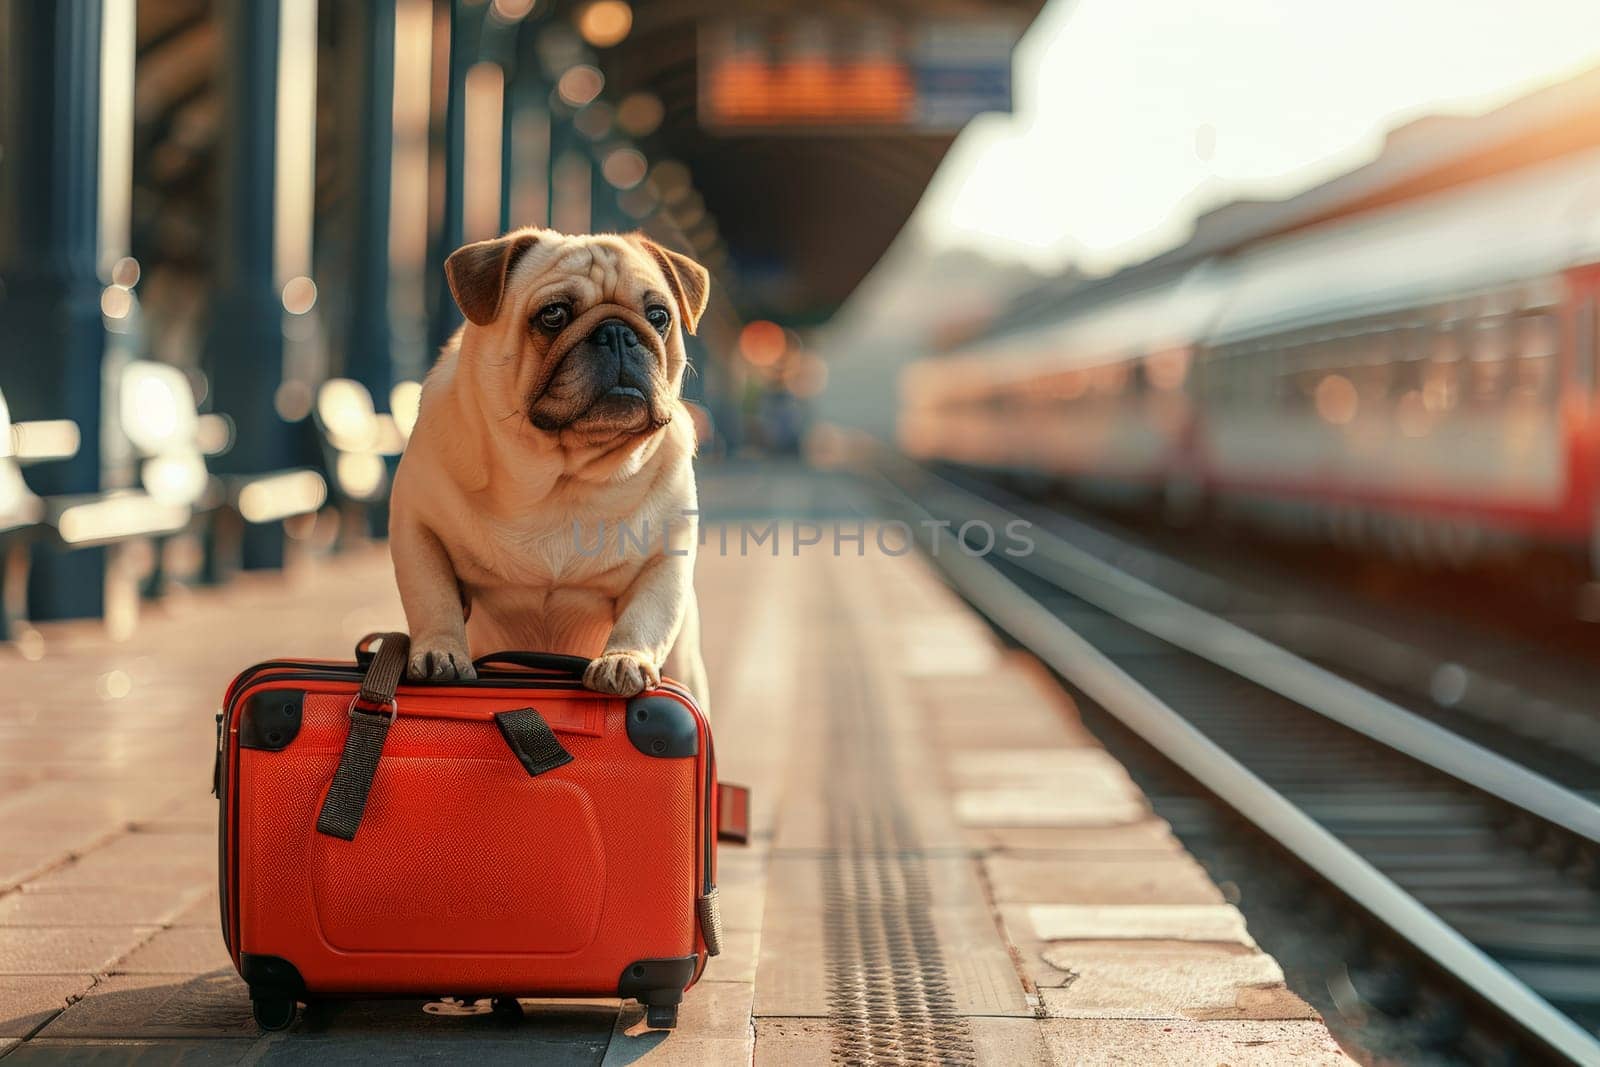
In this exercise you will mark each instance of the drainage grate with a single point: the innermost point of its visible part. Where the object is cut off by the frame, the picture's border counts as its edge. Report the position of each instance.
(889, 996)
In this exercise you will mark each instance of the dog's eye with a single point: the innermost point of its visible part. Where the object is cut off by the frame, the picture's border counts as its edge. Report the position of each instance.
(555, 316)
(659, 317)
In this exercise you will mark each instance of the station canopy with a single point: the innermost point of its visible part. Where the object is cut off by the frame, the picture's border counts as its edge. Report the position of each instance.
(802, 135)
(809, 132)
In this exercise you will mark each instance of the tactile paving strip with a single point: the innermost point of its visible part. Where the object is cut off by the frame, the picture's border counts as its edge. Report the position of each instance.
(889, 995)
(878, 943)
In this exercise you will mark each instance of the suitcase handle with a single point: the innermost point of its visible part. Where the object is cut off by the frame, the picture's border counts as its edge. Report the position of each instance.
(550, 662)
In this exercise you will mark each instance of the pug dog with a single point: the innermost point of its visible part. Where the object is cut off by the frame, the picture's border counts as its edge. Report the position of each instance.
(546, 498)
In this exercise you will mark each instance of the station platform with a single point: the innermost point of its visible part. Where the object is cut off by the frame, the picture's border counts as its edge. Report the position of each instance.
(945, 866)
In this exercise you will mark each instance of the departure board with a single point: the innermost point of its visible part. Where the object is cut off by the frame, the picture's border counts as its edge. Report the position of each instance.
(814, 73)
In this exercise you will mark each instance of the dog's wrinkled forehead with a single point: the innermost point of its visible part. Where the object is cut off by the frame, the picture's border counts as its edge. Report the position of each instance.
(528, 268)
(587, 270)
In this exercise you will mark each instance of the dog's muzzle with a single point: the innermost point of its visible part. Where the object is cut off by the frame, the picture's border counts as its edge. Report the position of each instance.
(616, 339)
(609, 378)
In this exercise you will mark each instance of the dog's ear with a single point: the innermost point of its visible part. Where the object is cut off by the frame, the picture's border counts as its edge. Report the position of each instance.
(690, 282)
(478, 272)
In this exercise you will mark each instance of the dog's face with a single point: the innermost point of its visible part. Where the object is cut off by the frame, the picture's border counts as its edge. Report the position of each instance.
(580, 336)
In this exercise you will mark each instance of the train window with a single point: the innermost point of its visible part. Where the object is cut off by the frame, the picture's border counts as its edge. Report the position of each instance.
(1447, 343)
(1537, 344)
(1136, 370)
(1406, 376)
(1285, 382)
(1441, 387)
(1488, 381)
(1227, 373)
(1264, 372)
(1298, 377)
(1489, 360)
(1305, 387)
(1337, 400)
(1109, 379)
(1396, 332)
(1256, 378)
(1588, 326)
(1239, 368)
(1237, 383)
(1167, 369)
(1291, 356)
(1372, 379)
(1537, 335)
(1075, 385)
(1419, 341)
(1376, 347)
(1208, 373)
(1409, 351)
(1328, 352)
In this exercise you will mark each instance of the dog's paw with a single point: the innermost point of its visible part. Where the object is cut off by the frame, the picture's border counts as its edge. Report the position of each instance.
(622, 674)
(440, 661)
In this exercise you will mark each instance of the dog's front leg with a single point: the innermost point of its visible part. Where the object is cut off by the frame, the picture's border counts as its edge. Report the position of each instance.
(652, 613)
(431, 597)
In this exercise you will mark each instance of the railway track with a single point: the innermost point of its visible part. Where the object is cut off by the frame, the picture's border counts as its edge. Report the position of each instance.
(1480, 867)
(1483, 663)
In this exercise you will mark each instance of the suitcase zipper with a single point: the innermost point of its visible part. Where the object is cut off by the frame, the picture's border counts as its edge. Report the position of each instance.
(216, 764)
(707, 907)
(487, 679)
(709, 844)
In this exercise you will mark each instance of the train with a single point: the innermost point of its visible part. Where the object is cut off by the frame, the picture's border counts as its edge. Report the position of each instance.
(1419, 377)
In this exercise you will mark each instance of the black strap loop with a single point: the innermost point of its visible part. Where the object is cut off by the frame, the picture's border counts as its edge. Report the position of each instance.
(531, 739)
(371, 714)
(384, 672)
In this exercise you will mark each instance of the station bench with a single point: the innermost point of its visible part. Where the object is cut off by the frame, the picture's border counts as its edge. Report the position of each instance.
(167, 445)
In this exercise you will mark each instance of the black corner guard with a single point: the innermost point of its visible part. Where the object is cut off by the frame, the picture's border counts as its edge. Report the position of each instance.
(657, 982)
(660, 726)
(271, 719)
(271, 974)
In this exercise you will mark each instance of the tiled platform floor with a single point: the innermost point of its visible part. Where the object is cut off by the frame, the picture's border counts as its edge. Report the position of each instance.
(946, 863)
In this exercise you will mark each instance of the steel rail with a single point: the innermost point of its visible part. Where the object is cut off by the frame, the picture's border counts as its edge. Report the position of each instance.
(1075, 658)
(1250, 656)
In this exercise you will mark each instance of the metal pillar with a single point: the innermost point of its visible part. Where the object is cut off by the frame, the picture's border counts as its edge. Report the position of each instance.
(49, 290)
(566, 143)
(508, 112)
(606, 214)
(369, 358)
(244, 342)
(465, 26)
(529, 202)
(367, 339)
(527, 145)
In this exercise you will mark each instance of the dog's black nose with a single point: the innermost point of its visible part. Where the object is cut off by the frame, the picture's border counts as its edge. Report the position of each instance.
(615, 335)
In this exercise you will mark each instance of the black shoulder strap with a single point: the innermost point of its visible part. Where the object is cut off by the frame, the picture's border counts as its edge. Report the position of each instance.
(371, 714)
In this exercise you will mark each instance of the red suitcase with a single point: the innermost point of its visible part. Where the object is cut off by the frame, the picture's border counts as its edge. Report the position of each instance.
(517, 835)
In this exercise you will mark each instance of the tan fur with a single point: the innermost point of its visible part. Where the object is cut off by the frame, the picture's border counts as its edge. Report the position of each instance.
(484, 504)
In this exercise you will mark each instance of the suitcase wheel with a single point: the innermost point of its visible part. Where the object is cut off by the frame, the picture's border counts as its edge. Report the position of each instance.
(661, 1016)
(274, 1012)
(506, 1006)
